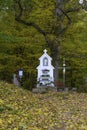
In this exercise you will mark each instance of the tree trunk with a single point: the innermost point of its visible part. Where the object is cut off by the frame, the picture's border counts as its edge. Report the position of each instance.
(56, 74)
(59, 13)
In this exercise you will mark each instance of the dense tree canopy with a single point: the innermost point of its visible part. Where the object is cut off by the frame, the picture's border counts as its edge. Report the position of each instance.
(27, 27)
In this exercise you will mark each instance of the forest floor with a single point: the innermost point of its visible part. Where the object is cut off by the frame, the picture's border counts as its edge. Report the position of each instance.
(23, 110)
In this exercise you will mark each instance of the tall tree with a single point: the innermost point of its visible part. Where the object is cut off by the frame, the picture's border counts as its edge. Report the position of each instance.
(63, 8)
(45, 20)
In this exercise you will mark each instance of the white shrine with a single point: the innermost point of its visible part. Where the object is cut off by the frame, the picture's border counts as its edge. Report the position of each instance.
(45, 75)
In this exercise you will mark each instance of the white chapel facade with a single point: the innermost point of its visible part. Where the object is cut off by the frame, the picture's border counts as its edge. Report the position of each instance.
(45, 76)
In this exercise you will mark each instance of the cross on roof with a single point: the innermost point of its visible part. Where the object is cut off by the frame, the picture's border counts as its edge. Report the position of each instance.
(45, 51)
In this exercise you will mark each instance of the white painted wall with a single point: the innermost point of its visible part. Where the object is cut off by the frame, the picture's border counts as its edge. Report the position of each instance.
(49, 67)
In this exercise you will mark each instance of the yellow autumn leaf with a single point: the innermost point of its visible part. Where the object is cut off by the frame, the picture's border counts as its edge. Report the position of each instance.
(15, 129)
(1, 102)
(1, 122)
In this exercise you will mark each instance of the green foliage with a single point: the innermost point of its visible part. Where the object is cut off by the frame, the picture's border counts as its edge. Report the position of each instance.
(21, 46)
(74, 51)
(29, 79)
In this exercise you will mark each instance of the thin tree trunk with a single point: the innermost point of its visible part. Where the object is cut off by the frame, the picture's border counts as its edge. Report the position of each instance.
(56, 74)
